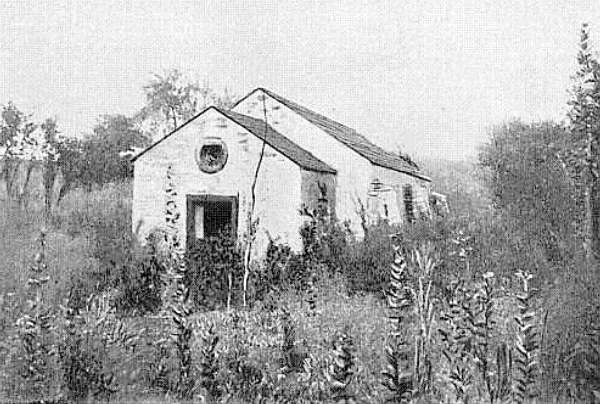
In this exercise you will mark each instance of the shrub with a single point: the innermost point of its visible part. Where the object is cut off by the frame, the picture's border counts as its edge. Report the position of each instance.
(208, 366)
(272, 275)
(368, 261)
(137, 284)
(324, 239)
(132, 273)
(94, 348)
(214, 266)
(570, 336)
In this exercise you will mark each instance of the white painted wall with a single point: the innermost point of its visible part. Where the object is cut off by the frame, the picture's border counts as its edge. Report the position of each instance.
(354, 171)
(277, 189)
(396, 180)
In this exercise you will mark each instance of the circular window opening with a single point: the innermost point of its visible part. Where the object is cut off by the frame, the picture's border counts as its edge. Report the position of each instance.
(212, 156)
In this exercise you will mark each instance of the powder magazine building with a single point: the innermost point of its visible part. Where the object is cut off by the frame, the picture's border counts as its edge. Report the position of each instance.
(303, 157)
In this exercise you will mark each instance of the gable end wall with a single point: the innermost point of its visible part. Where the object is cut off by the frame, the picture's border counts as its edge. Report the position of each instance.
(353, 171)
(277, 188)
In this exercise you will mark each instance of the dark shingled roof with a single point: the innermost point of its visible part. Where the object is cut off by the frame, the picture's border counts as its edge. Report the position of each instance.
(351, 138)
(273, 138)
(279, 142)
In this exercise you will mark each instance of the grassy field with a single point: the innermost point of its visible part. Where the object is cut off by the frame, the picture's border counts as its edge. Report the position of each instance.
(283, 349)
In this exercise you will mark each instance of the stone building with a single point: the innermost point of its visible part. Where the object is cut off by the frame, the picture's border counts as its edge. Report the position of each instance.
(303, 157)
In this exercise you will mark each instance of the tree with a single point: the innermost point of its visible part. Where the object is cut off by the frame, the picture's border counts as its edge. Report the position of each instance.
(171, 100)
(15, 129)
(582, 158)
(50, 129)
(102, 156)
(105, 149)
(70, 163)
(529, 186)
(23, 146)
(33, 150)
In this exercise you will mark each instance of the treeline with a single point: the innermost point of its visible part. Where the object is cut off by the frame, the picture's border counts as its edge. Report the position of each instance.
(98, 157)
(543, 177)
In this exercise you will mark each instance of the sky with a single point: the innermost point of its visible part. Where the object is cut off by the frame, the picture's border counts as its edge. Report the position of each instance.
(429, 77)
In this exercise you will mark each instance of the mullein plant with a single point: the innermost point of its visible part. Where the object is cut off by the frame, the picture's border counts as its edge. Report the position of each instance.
(483, 327)
(526, 346)
(424, 264)
(209, 366)
(493, 362)
(292, 358)
(178, 307)
(311, 293)
(412, 310)
(341, 369)
(454, 337)
(398, 375)
(35, 328)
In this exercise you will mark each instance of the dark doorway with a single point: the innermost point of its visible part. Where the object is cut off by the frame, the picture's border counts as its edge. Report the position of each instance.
(210, 215)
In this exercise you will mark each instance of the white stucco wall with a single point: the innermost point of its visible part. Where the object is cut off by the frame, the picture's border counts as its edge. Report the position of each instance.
(277, 189)
(396, 181)
(353, 171)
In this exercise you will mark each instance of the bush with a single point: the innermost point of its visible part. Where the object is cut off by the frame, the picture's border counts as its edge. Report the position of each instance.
(368, 260)
(103, 216)
(214, 271)
(94, 348)
(530, 187)
(272, 275)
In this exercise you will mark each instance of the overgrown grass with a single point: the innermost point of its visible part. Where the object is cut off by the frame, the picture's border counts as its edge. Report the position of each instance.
(89, 240)
(66, 254)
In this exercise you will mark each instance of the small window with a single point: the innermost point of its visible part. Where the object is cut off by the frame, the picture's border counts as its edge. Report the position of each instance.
(211, 157)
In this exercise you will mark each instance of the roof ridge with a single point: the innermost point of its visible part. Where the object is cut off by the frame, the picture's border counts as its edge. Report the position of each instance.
(358, 142)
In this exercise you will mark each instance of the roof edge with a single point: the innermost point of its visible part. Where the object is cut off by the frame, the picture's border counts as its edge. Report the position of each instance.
(224, 114)
(147, 149)
(244, 98)
(407, 172)
(331, 171)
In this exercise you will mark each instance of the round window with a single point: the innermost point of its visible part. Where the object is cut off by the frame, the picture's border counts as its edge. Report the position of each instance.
(211, 156)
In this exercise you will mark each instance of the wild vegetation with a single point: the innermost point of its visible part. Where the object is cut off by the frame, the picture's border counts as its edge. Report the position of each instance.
(496, 302)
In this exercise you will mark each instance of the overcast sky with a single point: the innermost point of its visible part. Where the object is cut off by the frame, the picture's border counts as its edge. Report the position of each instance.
(429, 76)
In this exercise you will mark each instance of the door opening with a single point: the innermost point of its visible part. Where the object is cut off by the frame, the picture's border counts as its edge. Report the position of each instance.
(210, 215)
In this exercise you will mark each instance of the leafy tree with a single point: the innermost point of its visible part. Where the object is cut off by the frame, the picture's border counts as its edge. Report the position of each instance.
(528, 184)
(23, 146)
(70, 163)
(50, 129)
(113, 136)
(15, 127)
(171, 100)
(100, 157)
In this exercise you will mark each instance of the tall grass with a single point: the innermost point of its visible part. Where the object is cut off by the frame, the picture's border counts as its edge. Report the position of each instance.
(448, 322)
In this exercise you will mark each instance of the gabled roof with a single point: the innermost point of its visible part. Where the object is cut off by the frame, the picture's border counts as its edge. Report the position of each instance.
(279, 142)
(349, 137)
(270, 136)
